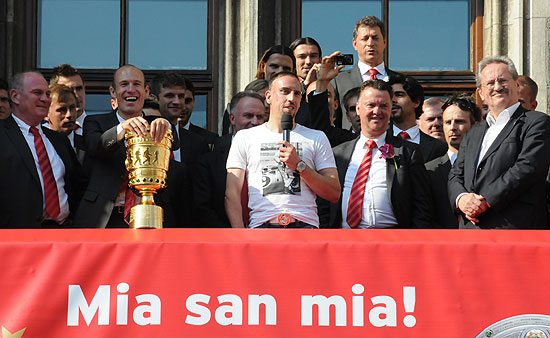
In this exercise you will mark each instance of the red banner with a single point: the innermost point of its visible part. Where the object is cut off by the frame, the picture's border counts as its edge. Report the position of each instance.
(268, 283)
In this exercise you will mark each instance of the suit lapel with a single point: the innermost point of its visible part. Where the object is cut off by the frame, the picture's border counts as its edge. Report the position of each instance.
(390, 164)
(347, 151)
(59, 147)
(356, 79)
(21, 146)
(504, 132)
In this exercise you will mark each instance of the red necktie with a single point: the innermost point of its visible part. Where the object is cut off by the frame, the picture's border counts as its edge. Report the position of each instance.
(244, 202)
(355, 203)
(404, 135)
(50, 187)
(373, 73)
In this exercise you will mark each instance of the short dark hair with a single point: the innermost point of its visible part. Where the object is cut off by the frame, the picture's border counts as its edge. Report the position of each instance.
(241, 95)
(64, 70)
(370, 21)
(413, 89)
(305, 41)
(4, 84)
(281, 74)
(528, 82)
(166, 80)
(465, 102)
(277, 49)
(189, 86)
(351, 93)
(376, 84)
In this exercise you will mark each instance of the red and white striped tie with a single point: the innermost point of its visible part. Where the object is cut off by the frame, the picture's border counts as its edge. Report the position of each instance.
(355, 203)
(51, 196)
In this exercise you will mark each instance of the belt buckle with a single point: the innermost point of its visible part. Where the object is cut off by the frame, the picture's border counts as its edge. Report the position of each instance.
(284, 219)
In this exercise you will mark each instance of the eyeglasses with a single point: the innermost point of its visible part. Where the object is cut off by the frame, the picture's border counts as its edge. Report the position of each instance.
(352, 109)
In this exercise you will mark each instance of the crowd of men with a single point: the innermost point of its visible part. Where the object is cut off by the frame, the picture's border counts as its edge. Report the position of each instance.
(283, 160)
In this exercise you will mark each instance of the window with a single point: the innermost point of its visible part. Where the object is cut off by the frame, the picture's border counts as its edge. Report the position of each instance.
(436, 41)
(97, 36)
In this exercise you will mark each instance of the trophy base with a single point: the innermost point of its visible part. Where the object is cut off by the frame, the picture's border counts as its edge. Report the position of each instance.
(146, 216)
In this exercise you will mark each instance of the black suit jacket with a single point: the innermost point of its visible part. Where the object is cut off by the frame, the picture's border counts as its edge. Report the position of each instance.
(21, 203)
(345, 81)
(320, 120)
(511, 175)
(209, 136)
(407, 186)
(438, 172)
(209, 186)
(431, 148)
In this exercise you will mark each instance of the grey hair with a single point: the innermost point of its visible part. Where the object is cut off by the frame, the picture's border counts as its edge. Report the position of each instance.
(16, 82)
(496, 59)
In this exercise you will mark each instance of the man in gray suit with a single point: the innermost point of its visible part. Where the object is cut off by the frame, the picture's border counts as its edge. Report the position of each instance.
(369, 40)
(498, 180)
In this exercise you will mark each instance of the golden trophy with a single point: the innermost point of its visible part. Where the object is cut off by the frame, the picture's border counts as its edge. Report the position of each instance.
(147, 163)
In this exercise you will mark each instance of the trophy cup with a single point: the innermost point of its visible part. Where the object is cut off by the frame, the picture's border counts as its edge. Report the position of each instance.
(147, 163)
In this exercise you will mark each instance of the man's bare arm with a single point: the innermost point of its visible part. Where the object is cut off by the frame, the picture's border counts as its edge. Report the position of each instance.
(233, 187)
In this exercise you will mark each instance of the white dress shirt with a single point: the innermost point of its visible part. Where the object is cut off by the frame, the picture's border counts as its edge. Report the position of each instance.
(364, 69)
(414, 133)
(80, 123)
(377, 211)
(495, 127)
(58, 168)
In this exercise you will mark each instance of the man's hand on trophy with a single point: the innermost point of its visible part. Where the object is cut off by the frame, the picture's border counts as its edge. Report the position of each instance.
(136, 125)
(159, 128)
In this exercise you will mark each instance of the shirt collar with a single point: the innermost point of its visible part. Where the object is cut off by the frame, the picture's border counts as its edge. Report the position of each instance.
(452, 157)
(24, 126)
(380, 140)
(412, 131)
(364, 68)
(503, 117)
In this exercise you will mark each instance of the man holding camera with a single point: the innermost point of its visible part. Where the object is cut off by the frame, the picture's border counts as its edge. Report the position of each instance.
(369, 40)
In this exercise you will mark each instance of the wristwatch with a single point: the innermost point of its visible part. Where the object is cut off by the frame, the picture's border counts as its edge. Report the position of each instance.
(301, 166)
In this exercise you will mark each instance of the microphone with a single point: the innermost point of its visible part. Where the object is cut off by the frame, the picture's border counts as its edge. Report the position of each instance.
(286, 126)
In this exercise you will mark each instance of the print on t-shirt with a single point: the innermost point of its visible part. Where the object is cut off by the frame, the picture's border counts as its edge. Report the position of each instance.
(276, 177)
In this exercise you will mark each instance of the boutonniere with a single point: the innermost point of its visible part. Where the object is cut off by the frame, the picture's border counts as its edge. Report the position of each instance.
(387, 152)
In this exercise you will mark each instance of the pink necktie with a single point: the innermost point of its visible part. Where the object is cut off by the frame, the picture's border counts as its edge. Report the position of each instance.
(355, 203)
(50, 187)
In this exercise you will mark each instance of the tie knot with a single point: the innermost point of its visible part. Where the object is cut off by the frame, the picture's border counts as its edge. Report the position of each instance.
(34, 131)
(371, 144)
(373, 73)
(404, 135)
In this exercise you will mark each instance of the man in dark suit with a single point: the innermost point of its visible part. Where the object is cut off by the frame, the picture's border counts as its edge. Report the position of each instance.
(384, 182)
(42, 178)
(246, 110)
(185, 116)
(104, 201)
(498, 180)
(369, 41)
(408, 97)
(460, 113)
(169, 88)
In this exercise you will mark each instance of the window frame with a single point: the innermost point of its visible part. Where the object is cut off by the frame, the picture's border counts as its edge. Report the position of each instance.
(97, 81)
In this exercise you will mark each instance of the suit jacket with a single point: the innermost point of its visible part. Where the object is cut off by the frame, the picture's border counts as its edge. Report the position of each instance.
(431, 148)
(511, 175)
(438, 172)
(21, 203)
(209, 186)
(209, 136)
(345, 81)
(407, 186)
(107, 156)
(320, 120)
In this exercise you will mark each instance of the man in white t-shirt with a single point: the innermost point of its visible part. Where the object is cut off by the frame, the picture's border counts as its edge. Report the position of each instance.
(283, 178)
